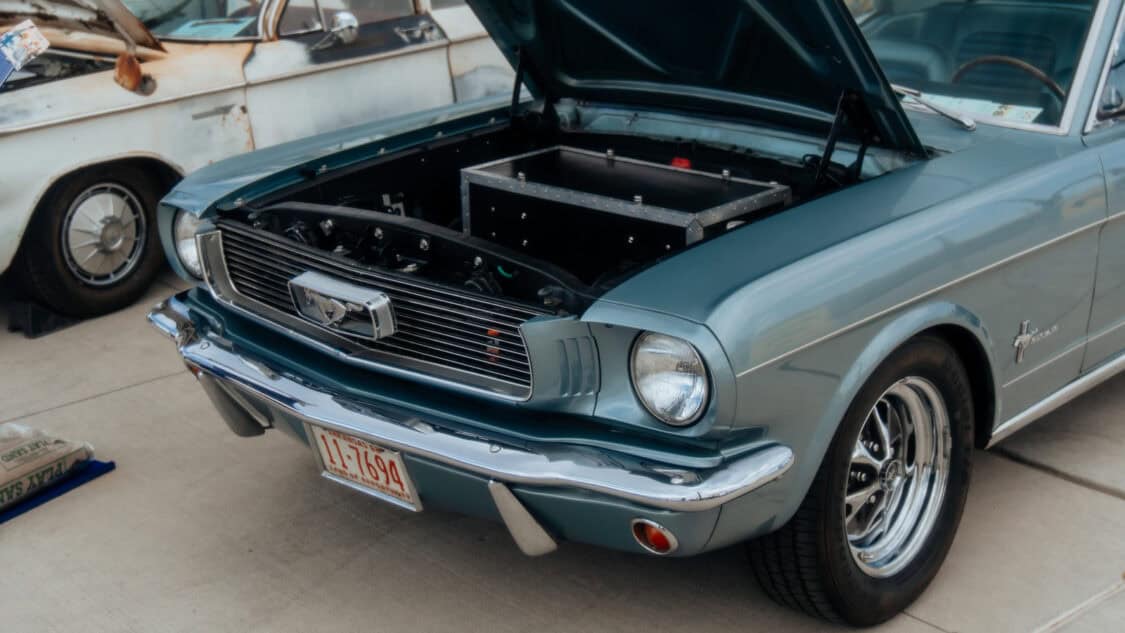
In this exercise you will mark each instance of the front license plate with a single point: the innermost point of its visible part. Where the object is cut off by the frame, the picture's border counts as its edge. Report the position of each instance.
(368, 467)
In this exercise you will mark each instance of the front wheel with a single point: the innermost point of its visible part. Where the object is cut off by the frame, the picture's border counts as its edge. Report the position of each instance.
(92, 245)
(882, 511)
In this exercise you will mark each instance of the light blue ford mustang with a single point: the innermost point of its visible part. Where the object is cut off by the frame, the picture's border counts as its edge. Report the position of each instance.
(736, 271)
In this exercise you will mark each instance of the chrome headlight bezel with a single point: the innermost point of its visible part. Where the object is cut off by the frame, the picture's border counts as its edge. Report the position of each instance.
(185, 225)
(698, 393)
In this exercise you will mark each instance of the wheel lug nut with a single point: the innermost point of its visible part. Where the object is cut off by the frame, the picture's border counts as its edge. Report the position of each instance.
(871, 499)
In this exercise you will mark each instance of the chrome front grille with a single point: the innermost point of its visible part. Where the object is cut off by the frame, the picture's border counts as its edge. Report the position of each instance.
(442, 331)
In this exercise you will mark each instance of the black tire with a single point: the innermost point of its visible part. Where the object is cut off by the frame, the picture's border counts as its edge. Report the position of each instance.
(41, 263)
(808, 564)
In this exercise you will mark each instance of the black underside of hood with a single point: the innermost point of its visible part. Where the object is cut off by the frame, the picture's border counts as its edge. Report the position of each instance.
(777, 62)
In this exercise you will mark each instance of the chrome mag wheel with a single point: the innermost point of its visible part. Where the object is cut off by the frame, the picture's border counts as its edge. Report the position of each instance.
(882, 511)
(103, 234)
(897, 477)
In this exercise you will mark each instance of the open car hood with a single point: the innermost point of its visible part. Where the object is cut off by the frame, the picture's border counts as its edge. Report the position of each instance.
(104, 17)
(777, 62)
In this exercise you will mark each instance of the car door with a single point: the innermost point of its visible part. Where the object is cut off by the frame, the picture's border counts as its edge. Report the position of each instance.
(476, 65)
(309, 81)
(1106, 133)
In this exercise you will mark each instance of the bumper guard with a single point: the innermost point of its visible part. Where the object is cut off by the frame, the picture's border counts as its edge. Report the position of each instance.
(248, 395)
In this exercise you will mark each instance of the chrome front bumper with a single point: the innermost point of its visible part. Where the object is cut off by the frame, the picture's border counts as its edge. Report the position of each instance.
(249, 394)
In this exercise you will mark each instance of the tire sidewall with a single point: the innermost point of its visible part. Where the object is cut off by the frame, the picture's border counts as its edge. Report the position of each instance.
(859, 598)
(47, 275)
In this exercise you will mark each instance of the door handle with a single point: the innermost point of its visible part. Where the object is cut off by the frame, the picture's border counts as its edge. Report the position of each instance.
(424, 32)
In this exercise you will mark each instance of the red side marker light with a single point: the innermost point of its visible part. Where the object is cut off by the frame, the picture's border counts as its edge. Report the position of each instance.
(654, 537)
(681, 162)
(492, 351)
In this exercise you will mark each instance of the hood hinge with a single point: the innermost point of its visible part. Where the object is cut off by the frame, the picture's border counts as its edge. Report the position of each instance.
(521, 64)
(849, 112)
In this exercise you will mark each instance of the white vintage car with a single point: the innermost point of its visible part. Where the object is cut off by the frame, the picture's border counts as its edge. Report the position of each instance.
(133, 95)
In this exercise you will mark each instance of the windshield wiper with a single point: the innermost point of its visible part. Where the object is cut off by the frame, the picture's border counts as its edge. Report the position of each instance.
(958, 118)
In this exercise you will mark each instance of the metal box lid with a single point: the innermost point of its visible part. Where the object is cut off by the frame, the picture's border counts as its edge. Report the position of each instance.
(685, 198)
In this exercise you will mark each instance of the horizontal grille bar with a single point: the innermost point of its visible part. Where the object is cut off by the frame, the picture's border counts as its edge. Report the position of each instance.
(437, 326)
(290, 267)
(299, 255)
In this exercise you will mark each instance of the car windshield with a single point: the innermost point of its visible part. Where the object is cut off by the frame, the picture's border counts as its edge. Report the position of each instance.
(197, 19)
(995, 61)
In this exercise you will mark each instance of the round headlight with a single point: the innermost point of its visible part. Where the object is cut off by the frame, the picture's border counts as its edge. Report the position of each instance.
(183, 233)
(670, 378)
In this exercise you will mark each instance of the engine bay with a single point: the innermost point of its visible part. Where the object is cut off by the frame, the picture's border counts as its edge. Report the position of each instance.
(549, 222)
(408, 246)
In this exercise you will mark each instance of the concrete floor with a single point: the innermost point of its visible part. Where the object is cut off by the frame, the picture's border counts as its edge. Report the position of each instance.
(198, 530)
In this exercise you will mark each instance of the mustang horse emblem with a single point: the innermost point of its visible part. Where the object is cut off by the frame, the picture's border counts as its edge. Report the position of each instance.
(1029, 336)
(327, 310)
(343, 308)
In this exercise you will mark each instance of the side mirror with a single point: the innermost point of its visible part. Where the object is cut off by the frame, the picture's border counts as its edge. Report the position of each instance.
(345, 29)
(1112, 105)
(127, 73)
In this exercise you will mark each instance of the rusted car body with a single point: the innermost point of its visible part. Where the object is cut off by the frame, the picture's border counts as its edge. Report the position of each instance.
(75, 140)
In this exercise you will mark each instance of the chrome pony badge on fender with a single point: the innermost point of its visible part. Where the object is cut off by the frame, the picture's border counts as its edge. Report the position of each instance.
(343, 308)
(1029, 336)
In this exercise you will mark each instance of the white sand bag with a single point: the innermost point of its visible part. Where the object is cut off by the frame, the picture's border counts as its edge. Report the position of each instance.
(31, 460)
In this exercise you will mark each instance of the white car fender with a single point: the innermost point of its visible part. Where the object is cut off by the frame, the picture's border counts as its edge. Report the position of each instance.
(196, 115)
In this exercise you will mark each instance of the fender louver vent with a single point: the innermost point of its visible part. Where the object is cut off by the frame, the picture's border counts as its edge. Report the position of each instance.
(579, 371)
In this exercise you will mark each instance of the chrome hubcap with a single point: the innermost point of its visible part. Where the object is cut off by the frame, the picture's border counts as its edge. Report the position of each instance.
(103, 234)
(897, 477)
